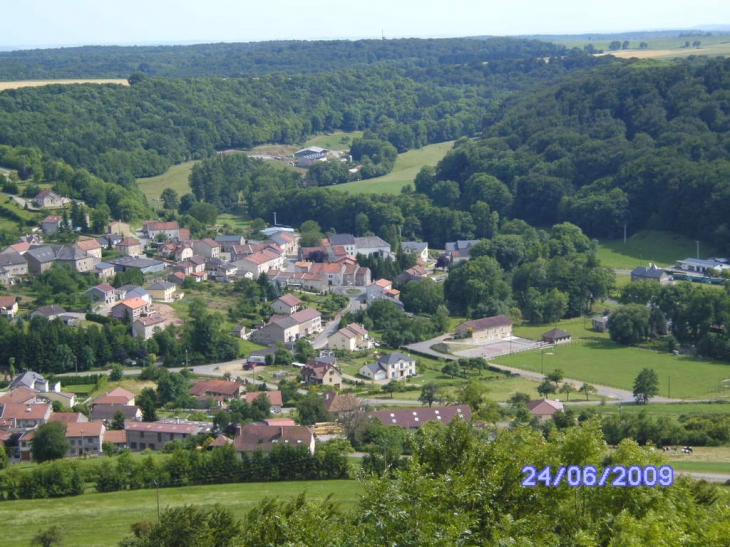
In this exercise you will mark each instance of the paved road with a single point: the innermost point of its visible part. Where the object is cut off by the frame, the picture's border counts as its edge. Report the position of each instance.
(332, 326)
(20, 201)
(710, 477)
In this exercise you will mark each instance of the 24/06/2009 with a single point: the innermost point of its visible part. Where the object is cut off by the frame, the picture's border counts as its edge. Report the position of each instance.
(616, 475)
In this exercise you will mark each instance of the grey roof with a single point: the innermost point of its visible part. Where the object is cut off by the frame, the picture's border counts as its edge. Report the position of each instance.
(414, 246)
(650, 273)
(133, 291)
(369, 242)
(374, 368)
(229, 239)
(11, 258)
(135, 262)
(161, 286)
(702, 262)
(460, 245)
(556, 334)
(107, 411)
(103, 266)
(42, 254)
(48, 311)
(69, 253)
(392, 358)
(342, 239)
(27, 379)
(286, 322)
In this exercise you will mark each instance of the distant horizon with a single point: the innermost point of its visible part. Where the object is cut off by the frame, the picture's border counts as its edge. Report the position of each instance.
(721, 29)
(46, 24)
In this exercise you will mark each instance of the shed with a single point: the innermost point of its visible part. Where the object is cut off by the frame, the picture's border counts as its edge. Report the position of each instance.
(556, 336)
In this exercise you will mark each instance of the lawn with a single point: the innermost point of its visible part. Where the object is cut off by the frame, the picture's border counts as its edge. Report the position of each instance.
(664, 409)
(100, 520)
(406, 168)
(645, 246)
(601, 361)
(335, 141)
(176, 177)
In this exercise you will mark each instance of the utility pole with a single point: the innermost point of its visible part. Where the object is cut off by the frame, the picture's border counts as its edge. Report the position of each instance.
(670, 388)
(698, 249)
(275, 218)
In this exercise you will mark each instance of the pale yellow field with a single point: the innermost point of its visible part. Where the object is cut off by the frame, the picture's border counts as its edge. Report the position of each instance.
(714, 49)
(37, 83)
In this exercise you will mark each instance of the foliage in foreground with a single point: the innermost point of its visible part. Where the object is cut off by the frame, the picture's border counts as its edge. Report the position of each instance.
(459, 491)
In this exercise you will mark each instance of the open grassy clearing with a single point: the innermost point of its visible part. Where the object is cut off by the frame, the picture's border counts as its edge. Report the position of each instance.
(663, 409)
(645, 246)
(601, 361)
(101, 520)
(406, 168)
(176, 177)
(38, 83)
(335, 141)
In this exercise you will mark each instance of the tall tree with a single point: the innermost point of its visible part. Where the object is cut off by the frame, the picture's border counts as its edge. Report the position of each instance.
(49, 442)
(646, 386)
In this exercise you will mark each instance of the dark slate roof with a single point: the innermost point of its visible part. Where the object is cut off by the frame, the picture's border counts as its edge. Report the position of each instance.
(11, 258)
(414, 246)
(42, 254)
(370, 241)
(556, 334)
(650, 273)
(342, 239)
(69, 253)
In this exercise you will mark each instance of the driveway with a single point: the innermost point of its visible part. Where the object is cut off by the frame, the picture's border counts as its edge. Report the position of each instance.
(20, 201)
(332, 326)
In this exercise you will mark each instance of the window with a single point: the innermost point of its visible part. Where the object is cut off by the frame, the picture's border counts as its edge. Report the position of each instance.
(159, 437)
(141, 434)
(133, 446)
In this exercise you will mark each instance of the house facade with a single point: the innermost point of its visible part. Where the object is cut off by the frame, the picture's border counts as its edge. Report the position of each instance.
(417, 248)
(8, 306)
(130, 308)
(252, 437)
(487, 329)
(48, 198)
(146, 327)
(154, 435)
(393, 366)
(286, 305)
(164, 291)
(652, 273)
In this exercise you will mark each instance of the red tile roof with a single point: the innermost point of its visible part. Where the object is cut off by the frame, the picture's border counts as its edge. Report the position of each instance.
(68, 417)
(544, 407)
(88, 244)
(290, 300)
(17, 411)
(84, 429)
(116, 436)
(307, 314)
(274, 397)
(115, 396)
(7, 301)
(415, 417)
(264, 437)
(133, 303)
(167, 427)
(215, 387)
(20, 395)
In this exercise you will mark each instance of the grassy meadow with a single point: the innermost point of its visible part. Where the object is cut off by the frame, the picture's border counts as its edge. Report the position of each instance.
(176, 177)
(660, 48)
(103, 520)
(645, 246)
(335, 141)
(406, 168)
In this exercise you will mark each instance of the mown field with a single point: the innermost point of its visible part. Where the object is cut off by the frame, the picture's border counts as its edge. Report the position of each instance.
(335, 141)
(645, 246)
(38, 83)
(601, 361)
(103, 520)
(661, 48)
(406, 168)
(176, 177)
(664, 409)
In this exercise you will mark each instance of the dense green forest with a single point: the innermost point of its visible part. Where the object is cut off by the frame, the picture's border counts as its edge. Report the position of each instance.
(259, 58)
(641, 143)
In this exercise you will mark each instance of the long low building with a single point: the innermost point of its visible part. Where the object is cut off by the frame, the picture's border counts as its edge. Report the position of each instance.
(154, 435)
(413, 418)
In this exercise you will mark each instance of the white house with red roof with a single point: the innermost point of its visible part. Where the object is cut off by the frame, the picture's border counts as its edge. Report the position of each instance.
(117, 396)
(153, 228)
(48, 198)
(145, 327)
(8, 306)
(103, 292)
(259, 262)
(131, 308)
(20, 416)
(286, 305)
(90, 246)
(544, 409)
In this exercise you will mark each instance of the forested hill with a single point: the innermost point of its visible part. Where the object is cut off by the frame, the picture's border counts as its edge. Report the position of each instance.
(641, 142)
(142, 129)
(258, 58)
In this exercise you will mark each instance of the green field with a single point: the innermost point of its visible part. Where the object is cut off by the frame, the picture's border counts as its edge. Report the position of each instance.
(406, 168)
(661, 48)
(335, 141)
(176, 177)
(665, 409)
(645, 246)
(601, 361)
(96, 520)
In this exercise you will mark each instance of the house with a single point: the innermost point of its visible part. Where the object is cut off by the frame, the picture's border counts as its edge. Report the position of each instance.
(51, 224)
(68, 417)
(282, 329)
(382, 288)
(85, 437)
(372, 245)
(154, 435)
(316, 372)
(48, 198)
(556, 336)
(54, 311)
(33, 381)
(652, 273)
(120, 228)
(339, 404)
(67, 400)
(349, 338)
(129, 246)
(286, 305)
(309, 320)
(310, 151)
(207, 248)
(131, 309)
(77, 259)
(288, 242)
(17, 416)
(144, 265)
(92, 247)
(355, 275)
(8, 306)
(544, 408)
(274, 398)
(412, 274)
(259, 262)
(105, 412)
(133, 291)
(117, 437)
(251, 437)
(486, 329)
(145, 327)
(299, 280)
(164, 291)
(345, 240)
(413, 418)
(459, 250)
(334, 272)
(241, 251)
(13, 263)
(417, 248)
(21, 395)
(103, 293)
(117, 396)
(221, 390)
(239, 331)
(227, 241)
(393, 366)
(110, 241)
(220, 440)
(39, 259)
(165, 230)
(104, 270)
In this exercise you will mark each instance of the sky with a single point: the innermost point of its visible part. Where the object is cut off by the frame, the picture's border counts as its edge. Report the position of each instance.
(50, 23)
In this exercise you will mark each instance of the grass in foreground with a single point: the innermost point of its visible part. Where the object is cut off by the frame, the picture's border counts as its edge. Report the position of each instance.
(645, 246)
(406, 168)
(101, 520)
(601, 361)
